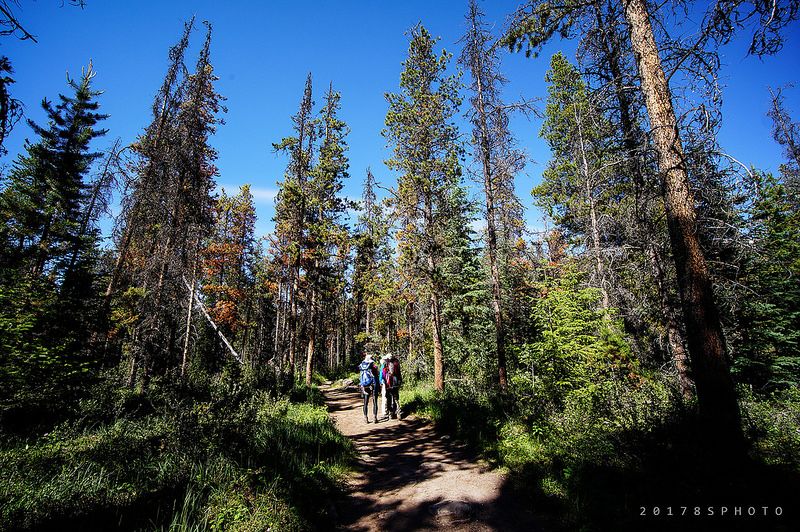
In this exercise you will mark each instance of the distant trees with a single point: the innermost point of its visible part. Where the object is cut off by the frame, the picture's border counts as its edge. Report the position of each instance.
(310, 240)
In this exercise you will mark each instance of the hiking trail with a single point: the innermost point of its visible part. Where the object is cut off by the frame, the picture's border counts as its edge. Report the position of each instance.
(411, 476)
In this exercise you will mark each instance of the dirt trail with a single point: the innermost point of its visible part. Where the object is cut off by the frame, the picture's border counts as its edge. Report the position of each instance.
(412, 477)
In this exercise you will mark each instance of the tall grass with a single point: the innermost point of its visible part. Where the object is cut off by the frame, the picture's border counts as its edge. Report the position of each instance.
(230, 459)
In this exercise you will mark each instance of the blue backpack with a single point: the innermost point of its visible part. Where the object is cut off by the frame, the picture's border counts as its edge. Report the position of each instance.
(367, 378)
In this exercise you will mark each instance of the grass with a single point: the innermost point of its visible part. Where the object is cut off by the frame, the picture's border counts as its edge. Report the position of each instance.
(231, 459)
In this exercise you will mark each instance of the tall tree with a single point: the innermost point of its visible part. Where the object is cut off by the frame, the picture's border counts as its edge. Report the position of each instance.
(42, 202)
(325, 208)
(373, 279)
(291, 207)
(494, 149)
(424, 139)
(153, 149)
(537, 22)
(715, 390)
(575, 180)
(173, 215)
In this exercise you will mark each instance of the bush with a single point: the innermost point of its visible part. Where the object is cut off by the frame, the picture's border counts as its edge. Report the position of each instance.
(772, 424)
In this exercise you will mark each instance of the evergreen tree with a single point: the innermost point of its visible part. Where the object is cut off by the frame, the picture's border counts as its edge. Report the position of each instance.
(494, 149)
(424, 139)
(48, 247)
(768, 347)
(574, 184)
(373, 275)
(324, 210)
(291, 207)
(41, 203)
(171, 214)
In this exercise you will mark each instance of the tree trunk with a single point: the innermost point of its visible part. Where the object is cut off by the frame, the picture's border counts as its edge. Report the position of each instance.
(491, 231)
(312, 337)
(594, 228)
(716, 394)
(675, 337)
(410, 325)
(438, 360)
(292, 323)
(188, 331)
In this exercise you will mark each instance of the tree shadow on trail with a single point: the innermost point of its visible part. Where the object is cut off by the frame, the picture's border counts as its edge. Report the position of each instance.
(398, 454)
(644, 478)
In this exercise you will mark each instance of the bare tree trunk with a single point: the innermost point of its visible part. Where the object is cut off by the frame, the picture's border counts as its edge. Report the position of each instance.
(410, 325)
(715, 390)
(312, 337)
(292, 323)
(594, 229)
(213, 324)
(338, 345)
(188, 331)
(491, 232)
(438, 359)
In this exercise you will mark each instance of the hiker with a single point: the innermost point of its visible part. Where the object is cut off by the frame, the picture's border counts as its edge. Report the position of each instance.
(393, 380)
(368, 380)
(384, 413)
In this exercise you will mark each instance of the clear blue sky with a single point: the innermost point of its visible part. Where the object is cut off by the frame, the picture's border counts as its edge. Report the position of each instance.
(262, 52)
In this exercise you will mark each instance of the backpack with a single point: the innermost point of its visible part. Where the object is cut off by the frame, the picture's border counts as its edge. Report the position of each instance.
(392, 374)
(367, 378)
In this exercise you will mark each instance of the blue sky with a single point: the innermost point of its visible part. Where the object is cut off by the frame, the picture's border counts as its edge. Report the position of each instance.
(262, 52)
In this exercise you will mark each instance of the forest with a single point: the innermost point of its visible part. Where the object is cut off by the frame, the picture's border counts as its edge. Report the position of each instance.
(165, 367)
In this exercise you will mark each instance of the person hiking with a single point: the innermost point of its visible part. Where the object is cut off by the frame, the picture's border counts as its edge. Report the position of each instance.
(368, 380)
(384, 413)
(393, 380)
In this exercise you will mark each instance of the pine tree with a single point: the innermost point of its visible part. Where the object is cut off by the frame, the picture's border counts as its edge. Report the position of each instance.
(373, 279)
(291, 207)
(47, 247)
(324, 210)
(494, 149)
(420, 129)
(574, 183)
(171, 213)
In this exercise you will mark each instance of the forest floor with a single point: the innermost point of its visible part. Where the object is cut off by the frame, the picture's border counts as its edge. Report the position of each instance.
(411, 476)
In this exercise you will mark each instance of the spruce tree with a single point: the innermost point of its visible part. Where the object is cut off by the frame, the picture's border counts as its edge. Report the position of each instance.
(42, 201)
(325, 207)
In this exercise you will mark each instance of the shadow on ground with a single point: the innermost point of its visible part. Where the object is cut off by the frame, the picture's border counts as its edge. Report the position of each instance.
(411, 476)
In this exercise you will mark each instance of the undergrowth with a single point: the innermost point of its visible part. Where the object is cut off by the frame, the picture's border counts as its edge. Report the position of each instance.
(221, 457)
(608, 451)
